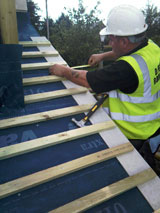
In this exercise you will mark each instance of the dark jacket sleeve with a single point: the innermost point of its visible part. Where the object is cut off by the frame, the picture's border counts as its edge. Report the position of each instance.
(118, 75)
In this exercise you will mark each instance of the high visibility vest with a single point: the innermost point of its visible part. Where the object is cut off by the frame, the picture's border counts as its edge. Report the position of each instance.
(138, 114)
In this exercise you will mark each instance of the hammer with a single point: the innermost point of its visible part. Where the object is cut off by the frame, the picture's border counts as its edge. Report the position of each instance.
(82, 122)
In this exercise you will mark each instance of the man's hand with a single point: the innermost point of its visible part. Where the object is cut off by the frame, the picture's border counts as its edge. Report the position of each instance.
(95, 59)
(58, 70)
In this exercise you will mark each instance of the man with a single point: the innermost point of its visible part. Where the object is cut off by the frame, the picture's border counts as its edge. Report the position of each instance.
(132, 81)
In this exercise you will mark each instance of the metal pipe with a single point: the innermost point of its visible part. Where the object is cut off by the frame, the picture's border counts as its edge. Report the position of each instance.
(47, 20)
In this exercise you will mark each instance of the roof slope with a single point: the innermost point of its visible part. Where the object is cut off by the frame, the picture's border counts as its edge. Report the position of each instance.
(46, 162)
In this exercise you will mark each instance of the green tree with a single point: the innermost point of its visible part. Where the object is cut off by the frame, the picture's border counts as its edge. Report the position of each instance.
(43, 26)
(153, 20)
(33, 10)
(76, 34)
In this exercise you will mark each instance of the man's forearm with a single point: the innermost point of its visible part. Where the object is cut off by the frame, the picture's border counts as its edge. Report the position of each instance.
(77, 76)
(109, 56)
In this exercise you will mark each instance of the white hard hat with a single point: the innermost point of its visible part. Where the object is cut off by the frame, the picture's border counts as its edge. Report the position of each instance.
(124, 20)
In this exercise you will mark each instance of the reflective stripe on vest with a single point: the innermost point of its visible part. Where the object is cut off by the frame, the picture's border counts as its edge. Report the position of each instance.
(147, 98)
(134, 119)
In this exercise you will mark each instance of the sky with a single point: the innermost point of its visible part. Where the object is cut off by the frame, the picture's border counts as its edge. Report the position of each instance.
(56, 7)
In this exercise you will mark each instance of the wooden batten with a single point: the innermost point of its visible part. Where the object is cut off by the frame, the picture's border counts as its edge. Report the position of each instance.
(36, 66)
(34, 43)
(42, 80)
(51, 140)
(52, 173)
(53, 94)
(36, 54)
(106, 193)
(43, 116)
(157, 211)
(8, 22)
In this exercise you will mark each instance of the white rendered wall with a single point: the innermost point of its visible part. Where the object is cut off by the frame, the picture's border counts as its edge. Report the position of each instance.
(21, 5)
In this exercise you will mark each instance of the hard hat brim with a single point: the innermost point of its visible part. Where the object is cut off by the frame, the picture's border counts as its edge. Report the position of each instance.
(104, 32)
